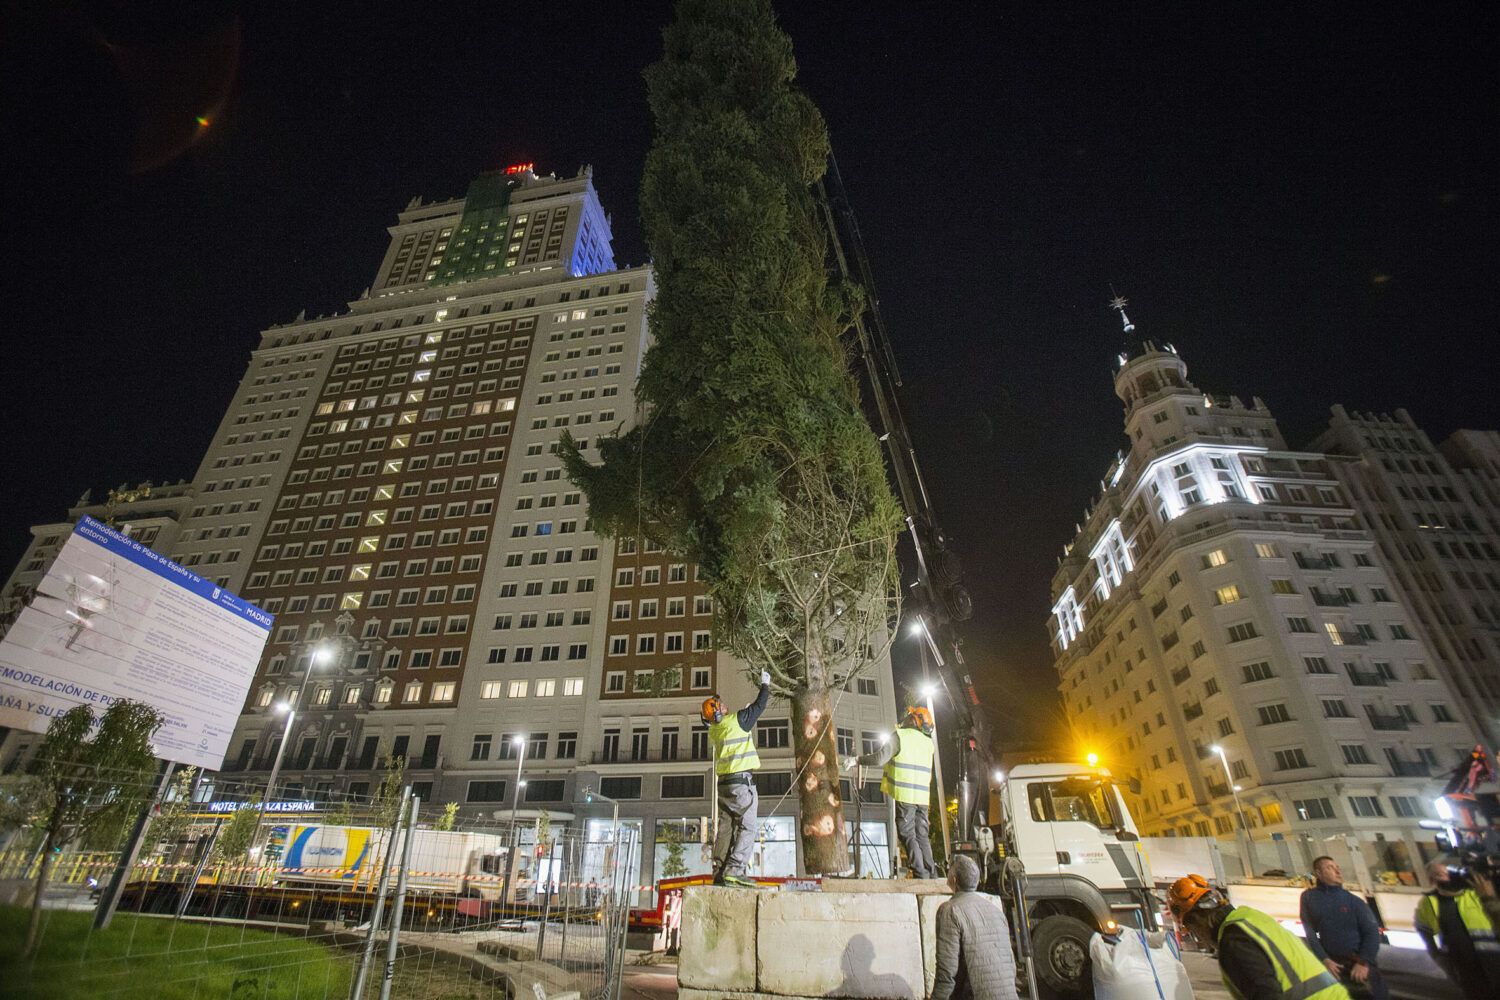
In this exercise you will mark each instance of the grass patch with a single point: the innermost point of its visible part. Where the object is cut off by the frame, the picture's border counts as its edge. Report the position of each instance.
(153, 958)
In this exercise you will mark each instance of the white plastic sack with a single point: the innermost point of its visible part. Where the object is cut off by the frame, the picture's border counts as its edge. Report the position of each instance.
(1139, 967)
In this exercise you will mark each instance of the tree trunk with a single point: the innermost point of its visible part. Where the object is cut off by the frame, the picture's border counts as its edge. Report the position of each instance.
(44, 873)
(820, 813)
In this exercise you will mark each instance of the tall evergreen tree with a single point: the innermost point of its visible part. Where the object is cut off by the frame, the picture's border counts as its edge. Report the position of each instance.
(752, 456)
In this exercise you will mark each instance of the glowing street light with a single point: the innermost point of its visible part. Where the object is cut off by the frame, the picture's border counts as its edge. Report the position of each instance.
(1093, 760)
(321, 654)
(519, 742)
(1235, 791)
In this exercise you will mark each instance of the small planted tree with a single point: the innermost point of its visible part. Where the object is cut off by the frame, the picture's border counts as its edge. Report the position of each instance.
(752, 457)
(238, 834)
(448, 818)
(176, 814)
(86, 777)
(674, 857)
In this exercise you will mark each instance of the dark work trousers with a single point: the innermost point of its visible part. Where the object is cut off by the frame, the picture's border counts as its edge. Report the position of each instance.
(738, 802)
(913, 828)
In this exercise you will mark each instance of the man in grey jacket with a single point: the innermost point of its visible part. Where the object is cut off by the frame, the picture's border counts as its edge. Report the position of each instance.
(974, 959)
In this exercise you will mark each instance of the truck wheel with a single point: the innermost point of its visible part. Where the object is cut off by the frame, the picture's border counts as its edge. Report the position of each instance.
(1061, 946)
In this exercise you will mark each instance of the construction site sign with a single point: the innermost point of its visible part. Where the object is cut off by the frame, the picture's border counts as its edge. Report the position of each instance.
(114, 620)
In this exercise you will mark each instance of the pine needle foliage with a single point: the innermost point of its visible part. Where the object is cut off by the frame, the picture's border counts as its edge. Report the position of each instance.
(751, 455)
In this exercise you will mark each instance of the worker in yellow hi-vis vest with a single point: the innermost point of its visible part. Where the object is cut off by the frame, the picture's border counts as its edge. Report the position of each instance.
(1258, 958)
(735, 762)
(907, 778)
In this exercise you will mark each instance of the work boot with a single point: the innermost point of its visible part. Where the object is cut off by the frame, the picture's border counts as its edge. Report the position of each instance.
(739, 883)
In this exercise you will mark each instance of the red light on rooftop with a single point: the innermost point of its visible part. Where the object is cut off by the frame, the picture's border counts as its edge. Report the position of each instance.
(519, 168)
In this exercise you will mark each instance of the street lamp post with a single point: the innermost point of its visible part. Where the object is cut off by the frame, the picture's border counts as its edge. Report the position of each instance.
(319, 656)
(1250, 860)
(519, 742)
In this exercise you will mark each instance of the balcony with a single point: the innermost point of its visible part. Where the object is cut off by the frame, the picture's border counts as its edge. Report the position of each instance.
(1218, 791)
(1323, 600)
(1193, 711)
(1410, 768)
(1306, 561)
(1388, 723)
(654, 757)
(1365, 678)
(1342, 638)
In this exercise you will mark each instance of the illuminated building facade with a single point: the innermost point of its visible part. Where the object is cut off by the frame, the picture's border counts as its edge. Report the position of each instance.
(1435, 510)
(386, 483)
(1222, 595)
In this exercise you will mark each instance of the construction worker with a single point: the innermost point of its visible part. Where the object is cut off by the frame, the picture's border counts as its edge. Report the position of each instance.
(907, 778)
(1455, 922)
(1258, 958)
(735, 761)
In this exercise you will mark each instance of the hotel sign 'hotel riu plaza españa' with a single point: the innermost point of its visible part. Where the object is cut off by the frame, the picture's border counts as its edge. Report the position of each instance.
(114, 620)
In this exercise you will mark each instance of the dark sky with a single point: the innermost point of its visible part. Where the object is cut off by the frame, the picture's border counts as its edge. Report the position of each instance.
(1304, 201)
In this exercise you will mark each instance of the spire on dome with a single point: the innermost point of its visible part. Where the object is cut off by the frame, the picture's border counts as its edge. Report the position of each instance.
(1131, 345)
(1119, 302)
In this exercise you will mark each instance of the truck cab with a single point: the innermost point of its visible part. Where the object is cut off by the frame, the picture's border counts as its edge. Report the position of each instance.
(1072, 866)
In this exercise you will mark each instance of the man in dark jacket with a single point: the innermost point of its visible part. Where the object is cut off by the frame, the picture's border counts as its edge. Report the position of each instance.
(974, 959)
(1342, 931)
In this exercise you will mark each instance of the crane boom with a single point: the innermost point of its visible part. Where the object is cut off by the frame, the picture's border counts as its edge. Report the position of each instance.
(937, 589)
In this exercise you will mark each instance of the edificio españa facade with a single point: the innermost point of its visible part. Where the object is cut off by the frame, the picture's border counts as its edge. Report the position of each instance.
(1229, 640)
(386, 483)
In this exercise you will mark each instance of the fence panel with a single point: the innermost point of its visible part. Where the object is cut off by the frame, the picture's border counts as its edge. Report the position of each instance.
(490, 910)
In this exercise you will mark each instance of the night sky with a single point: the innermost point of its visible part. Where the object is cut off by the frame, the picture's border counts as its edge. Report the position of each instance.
(1303, 201)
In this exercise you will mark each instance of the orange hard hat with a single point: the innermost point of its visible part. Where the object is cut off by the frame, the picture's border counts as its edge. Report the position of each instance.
(919, 715)
(1186, 893)
(713, 709)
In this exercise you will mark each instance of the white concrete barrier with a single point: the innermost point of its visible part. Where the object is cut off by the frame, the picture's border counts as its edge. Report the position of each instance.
(749, 944)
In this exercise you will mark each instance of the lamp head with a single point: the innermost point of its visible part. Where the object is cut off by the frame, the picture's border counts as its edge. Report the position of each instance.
(518, 740)
(1093, 760)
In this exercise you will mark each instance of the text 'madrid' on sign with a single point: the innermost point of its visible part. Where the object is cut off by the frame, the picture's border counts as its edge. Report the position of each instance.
(113, 620)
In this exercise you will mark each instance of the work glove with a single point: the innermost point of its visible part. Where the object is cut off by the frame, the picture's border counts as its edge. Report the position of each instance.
(765, 678)
(849, 763)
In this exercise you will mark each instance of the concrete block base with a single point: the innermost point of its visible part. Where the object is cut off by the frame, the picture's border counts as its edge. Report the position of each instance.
(872, 943)
(718, 939)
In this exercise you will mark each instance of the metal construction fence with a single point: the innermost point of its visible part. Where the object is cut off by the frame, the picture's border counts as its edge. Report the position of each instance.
(390, 899)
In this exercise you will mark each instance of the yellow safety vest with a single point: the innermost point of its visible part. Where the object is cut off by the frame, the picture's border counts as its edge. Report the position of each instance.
(1470, 911)
(734, 748)
(1298, 971)
(908, 775)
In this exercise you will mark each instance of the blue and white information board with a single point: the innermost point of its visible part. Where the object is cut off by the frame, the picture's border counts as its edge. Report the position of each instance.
(114, 620)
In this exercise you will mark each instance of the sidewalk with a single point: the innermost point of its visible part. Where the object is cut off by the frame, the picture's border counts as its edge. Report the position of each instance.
(648, 982)
(1410, 974)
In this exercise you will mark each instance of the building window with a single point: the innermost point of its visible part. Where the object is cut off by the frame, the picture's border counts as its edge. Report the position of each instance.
(1272, 714)
(1242, 631)
(1291, 760)
(1366, 806)
(682, 786)
(773, 734)
(1314, 808)
(1355, 753)
(616, 787)
(485, 791)
(1260, 671)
